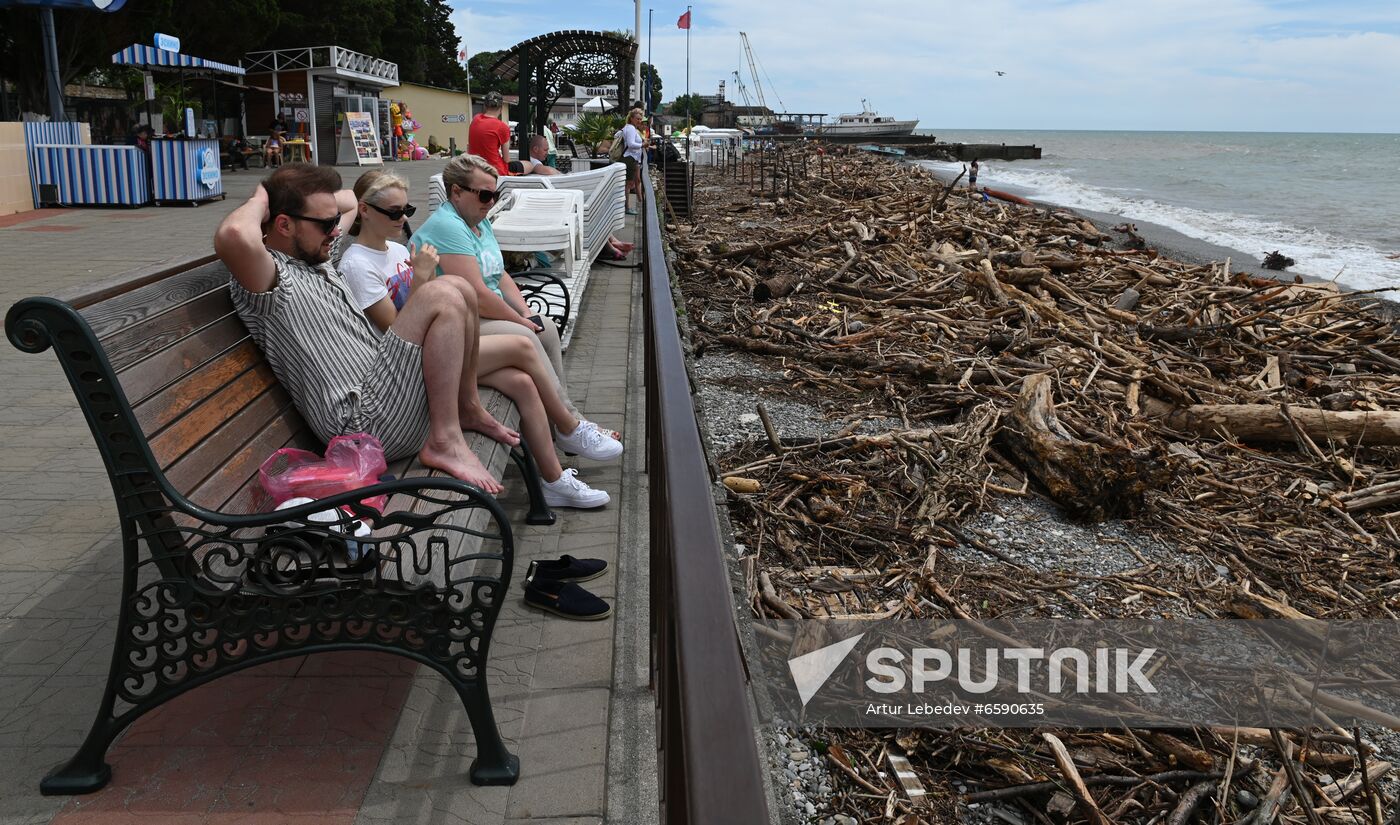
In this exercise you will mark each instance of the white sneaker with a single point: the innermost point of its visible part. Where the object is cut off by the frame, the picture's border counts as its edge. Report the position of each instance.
(590, 442)
(570, 491)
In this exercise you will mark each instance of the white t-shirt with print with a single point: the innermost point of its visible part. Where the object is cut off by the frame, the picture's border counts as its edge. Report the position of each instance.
(372, 275)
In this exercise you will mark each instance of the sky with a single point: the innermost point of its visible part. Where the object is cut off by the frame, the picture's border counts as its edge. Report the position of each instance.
(1191, 65)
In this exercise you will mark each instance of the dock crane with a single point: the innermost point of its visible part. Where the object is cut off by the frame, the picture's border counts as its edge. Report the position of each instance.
(753, 71)
(743, 90)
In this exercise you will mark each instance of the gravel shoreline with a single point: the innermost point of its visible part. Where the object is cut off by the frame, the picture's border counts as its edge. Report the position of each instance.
(729, 386)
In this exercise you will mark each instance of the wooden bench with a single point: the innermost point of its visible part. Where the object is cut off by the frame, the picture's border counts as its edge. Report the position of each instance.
(184, 409)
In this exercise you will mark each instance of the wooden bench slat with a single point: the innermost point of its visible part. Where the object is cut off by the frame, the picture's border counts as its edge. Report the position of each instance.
(111, 289)
(132, 343)
(131, 307)
(181, 397)
(157, 371)
(211, 455)
(235, 488)
(193, 427)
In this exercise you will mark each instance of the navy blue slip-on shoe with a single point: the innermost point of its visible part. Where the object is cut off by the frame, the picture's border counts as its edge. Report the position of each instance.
(565, 599)
(567, 569)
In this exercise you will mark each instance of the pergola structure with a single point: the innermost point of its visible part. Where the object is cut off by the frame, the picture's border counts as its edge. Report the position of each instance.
(545, 66)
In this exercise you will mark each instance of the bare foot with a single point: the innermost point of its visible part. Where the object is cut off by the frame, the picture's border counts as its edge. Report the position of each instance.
(458, 461)
(481, 421)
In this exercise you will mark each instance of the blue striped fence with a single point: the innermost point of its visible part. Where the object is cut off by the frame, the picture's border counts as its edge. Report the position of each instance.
(87, 175)
(57, 132)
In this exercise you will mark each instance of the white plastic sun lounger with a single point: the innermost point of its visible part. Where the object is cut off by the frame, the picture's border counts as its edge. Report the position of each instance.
(604, 193)
(542, 221)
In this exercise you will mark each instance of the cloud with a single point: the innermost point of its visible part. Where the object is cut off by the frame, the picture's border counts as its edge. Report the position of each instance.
(1095, 64)
(1068, 65)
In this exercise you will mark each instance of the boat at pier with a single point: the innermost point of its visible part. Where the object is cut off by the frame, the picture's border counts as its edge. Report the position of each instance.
(867, 123)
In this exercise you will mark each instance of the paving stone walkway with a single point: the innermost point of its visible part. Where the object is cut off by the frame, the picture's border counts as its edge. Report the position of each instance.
(335, 738)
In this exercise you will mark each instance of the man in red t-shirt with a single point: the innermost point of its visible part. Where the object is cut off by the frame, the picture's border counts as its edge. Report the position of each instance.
(489, 136)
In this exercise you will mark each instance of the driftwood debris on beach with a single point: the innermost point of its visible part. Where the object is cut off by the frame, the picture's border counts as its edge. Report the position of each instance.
(1250, 424)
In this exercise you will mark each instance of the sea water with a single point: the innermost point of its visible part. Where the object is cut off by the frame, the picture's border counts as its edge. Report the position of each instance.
(1329, 201)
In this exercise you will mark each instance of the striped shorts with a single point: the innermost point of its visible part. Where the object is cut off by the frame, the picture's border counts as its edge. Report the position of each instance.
(393, 400)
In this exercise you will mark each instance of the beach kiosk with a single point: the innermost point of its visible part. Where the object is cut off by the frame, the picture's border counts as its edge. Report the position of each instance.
(184, 169)
(327, 94)
(65, 171)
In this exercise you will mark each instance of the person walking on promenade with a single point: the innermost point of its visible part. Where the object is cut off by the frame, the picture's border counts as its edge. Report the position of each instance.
(489, 135)
(413, 388)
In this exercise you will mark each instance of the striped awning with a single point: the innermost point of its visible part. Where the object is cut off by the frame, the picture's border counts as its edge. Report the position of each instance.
(150, 56)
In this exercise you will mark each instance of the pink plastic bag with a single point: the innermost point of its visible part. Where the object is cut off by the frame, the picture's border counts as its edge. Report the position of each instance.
(351, 462)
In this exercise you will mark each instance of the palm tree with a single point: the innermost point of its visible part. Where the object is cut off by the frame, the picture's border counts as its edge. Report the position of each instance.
(594, 128)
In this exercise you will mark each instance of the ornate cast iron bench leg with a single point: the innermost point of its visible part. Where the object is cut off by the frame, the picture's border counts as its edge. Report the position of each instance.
(545, 293)
(524, 459)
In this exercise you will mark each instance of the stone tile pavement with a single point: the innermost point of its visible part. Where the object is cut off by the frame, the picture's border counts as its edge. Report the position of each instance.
(342, 738)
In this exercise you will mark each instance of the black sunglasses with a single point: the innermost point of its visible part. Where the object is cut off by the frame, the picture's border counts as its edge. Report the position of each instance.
(486, 195)
(395, 213)
(327, 225)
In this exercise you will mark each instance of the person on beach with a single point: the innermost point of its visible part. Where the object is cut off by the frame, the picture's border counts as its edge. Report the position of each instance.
(972, 175)
(383, 275)
(350, 221)
(488, 136)
(413, 387)
(272, 150)
(538, 161)
(633, 155)
(467, 248)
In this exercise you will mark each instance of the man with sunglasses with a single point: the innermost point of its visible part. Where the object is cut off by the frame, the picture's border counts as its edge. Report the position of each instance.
(414, 387)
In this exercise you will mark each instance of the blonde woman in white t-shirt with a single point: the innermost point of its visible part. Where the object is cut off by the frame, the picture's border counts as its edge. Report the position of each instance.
(383, 273)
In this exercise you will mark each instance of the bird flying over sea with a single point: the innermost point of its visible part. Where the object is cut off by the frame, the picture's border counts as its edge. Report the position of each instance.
(1000, 74)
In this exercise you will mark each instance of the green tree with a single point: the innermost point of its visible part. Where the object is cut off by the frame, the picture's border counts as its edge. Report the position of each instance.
(416, 34)
(687, 106)
(86, 41)
(425, 44)
(419, 36)
(483, 80)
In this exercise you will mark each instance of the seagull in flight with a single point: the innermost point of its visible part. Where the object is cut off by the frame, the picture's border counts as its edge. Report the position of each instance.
(1000, 74)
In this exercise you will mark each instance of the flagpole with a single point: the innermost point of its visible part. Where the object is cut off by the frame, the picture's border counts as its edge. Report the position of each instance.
(647, 80)
(637, 34)
(688, 101)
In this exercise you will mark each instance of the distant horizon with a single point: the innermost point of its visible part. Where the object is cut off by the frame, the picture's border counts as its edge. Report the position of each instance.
(1270, 66)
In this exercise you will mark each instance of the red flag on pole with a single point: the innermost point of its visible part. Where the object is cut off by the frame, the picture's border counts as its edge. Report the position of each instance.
(684, 22)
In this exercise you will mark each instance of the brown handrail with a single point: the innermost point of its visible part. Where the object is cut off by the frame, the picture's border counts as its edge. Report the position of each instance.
(708, 755)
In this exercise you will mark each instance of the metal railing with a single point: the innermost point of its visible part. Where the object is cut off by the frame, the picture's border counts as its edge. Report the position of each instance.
(322, 57)
(708, 754)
